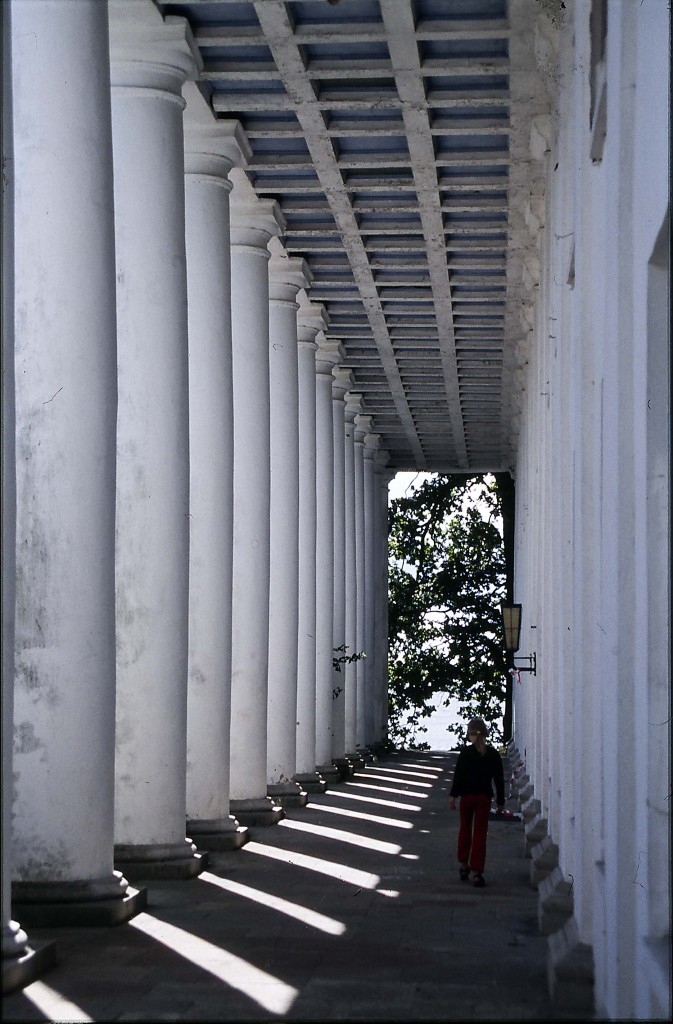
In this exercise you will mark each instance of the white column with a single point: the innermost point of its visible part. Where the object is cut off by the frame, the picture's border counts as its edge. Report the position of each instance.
(66, 404)
(14, 938)
(342, 380)
(371, 443)
(328, 355)
(362, 425)
(20, 963)
(253, 223)
(310, 321)
(286, 277)
(150, 63)
(349, 671)
(382, 479)
(212, 148)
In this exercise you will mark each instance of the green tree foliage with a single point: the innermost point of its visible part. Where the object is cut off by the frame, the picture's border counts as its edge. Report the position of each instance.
(446, 581)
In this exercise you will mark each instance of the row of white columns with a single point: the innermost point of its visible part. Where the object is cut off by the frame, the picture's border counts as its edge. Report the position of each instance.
(201, 503)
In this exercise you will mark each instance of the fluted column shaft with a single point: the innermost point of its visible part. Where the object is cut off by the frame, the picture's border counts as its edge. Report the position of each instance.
(327, 356)
(253, 223)
(66, 405)
(286, 277)
(150, 63)
(211, 150)
(310, 320)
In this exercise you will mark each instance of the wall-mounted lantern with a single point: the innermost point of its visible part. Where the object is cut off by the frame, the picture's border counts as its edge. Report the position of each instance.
(511, 624)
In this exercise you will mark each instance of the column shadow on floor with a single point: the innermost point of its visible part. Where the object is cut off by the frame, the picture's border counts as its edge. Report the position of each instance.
(350, 908)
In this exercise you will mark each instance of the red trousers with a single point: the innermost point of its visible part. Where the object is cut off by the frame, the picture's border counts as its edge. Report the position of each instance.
(474, 812)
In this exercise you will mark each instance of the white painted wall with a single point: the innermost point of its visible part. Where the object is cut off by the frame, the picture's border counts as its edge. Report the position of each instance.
(592, 550)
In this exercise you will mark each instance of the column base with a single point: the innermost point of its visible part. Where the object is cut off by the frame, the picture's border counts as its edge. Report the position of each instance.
(524, 790)
(84, 914)
(218, 834)
(329, 773)
(380, 749)
(535, 832)
(27, 966)
(287, 794)
(257, 811)
(545, 859)
(570, 971)
(357, 760)
(556, 904)
(531, 809)
(93, 901)
(344, 766)
(160, 860)
(311, 782)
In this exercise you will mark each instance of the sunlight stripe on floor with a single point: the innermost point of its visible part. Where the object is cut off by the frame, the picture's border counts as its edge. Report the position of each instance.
(267, 899)
(401, 771)
(423, 773)
(387, 789)
(377, 845)
(396, 805)
(53, 1005)
(386, 778)
(378, 819)
(262, 988)
(363, 879)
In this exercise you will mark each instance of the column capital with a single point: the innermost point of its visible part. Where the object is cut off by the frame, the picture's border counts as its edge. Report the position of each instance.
(380, 464)
(311, 319)
(353, 410)
(286, 276)
(254, 222)
(328, 355)
(363, 424)
(372, 442)
(148, 51)
(342, 381)
(212, 147)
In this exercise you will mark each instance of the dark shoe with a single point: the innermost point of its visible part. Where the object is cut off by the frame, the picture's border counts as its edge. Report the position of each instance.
(479, 881)
(464, 874)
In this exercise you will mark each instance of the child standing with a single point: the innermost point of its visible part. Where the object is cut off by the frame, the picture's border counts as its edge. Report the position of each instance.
(479, 765)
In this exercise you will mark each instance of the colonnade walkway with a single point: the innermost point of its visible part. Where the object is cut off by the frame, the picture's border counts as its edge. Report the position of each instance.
(351, 908)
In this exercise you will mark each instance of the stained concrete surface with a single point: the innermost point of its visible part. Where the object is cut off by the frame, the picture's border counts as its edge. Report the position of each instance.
(349, 909)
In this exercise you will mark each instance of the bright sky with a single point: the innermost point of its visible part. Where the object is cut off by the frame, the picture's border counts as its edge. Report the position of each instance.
(399, 484)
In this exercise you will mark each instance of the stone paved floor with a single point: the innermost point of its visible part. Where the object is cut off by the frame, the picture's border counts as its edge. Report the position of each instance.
(350, 909)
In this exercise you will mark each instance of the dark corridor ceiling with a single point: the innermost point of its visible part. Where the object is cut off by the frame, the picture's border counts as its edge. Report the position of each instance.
(395, 135)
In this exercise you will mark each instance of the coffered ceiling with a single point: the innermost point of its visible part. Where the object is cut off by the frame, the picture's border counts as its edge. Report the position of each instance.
(395, 135)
